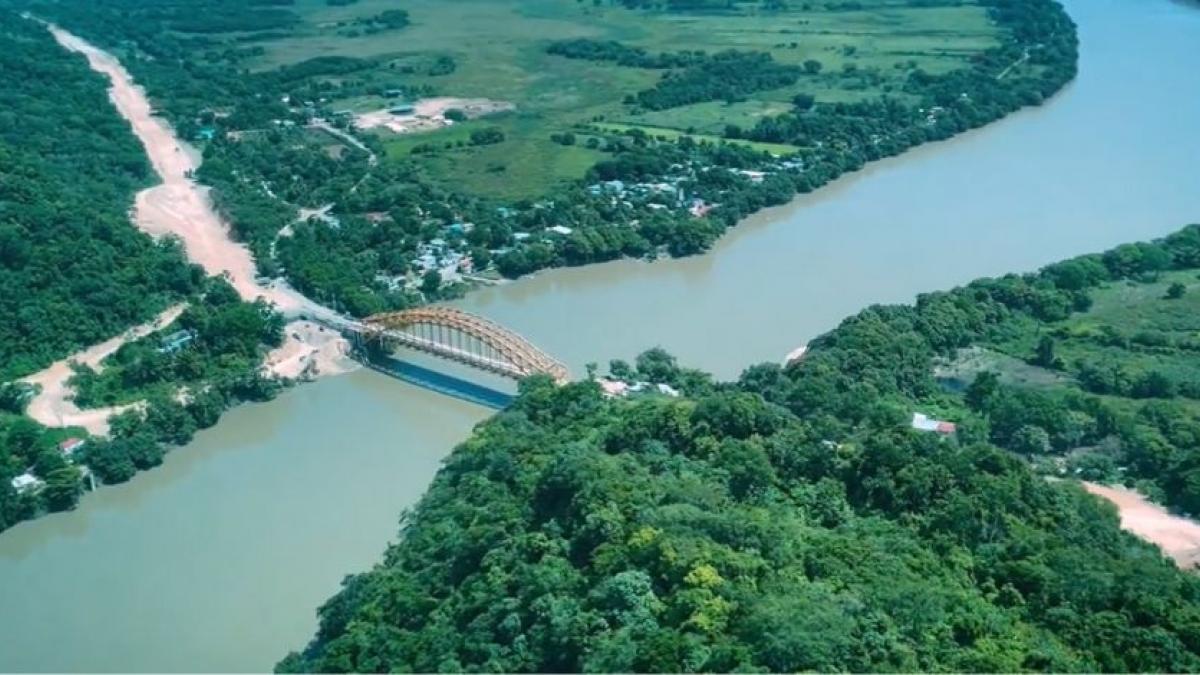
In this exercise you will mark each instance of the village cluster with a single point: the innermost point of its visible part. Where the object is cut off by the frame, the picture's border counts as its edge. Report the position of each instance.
(448, 254)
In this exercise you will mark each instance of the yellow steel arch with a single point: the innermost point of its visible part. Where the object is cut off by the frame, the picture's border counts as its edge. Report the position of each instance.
(494, 348)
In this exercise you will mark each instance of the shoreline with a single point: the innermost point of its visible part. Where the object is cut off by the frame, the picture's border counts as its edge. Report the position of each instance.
(53, 404)
(183, 208)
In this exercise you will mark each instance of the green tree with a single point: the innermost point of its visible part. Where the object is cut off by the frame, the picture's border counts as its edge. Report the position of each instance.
(1045, 356)
(803, 101)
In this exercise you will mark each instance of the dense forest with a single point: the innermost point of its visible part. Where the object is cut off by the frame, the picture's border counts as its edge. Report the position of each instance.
(73, 271)
(791, 520)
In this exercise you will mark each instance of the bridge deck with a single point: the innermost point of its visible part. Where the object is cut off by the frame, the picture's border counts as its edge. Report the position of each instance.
(453, 354)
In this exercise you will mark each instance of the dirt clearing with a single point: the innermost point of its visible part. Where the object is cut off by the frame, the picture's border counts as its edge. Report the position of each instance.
(430, 114)
(1178, 537)
(53, 405)
(309, 350)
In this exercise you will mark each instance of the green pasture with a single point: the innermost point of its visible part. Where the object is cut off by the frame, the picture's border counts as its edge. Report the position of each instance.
(669, 134)
(499, 50)
(1140, 309)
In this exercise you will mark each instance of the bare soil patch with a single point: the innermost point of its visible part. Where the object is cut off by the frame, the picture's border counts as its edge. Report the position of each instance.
(430, 114)
(309, 350)
(54, 406)
(1177, 536)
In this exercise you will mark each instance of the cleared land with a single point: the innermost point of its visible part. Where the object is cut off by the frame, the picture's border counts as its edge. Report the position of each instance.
(1178, 537)
(498, 51)
(179, 207)
(53, 405)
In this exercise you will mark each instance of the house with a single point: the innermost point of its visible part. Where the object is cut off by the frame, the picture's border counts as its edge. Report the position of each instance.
(176, 341)
(393, 93)
(69, 446)
(922, 422)
(26, 482)
(664, 389)
(402, 109)
(700, 209)
(754, 176)
(613, 388)
(560, 229)
(426, 261)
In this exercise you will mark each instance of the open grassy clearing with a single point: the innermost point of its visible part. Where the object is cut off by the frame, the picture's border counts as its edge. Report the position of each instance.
(498, 49)
(711, 117)
(1149, 323)
(672, 134)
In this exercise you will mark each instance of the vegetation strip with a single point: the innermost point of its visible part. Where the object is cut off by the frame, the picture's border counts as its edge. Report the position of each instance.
(587, 148)
(847, 512)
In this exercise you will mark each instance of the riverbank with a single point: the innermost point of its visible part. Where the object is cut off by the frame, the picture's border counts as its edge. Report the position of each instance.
(220, 556)
(52, 404)
(310, 350)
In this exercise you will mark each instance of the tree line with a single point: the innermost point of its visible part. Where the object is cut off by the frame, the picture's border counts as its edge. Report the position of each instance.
(254, 163)
(74, 271)
(791, 520)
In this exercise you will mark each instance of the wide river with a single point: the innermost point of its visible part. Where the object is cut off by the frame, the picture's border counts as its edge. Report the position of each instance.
(217, 560)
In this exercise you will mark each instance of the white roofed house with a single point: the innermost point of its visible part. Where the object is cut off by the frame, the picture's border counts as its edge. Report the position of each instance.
(26, 482)
(922, 422)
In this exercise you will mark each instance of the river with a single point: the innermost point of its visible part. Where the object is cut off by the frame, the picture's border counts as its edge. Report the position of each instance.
(217, 560)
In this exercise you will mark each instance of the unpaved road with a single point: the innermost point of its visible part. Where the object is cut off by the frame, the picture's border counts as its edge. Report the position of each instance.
(179, 206)
(53, 406)
(1178, 537)
(309, 350)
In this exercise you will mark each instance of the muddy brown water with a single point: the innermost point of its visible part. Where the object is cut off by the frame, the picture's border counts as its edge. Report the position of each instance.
(217, 560)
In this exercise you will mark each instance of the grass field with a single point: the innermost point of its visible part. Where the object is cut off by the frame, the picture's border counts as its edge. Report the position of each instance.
(1145, 316)
(671, 134)
(499, 50)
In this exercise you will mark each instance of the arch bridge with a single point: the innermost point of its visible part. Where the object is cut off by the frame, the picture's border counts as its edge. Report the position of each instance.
(465, 338)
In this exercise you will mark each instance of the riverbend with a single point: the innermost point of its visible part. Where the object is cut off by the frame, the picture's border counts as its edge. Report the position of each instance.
(218, 560)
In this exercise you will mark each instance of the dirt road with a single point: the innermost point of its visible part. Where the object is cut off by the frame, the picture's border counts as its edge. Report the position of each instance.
(1178, 537)
(53, 405)
(181, 207)
(178, 207)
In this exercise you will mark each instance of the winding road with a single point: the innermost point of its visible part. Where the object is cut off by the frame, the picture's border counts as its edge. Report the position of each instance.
(179, 207)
